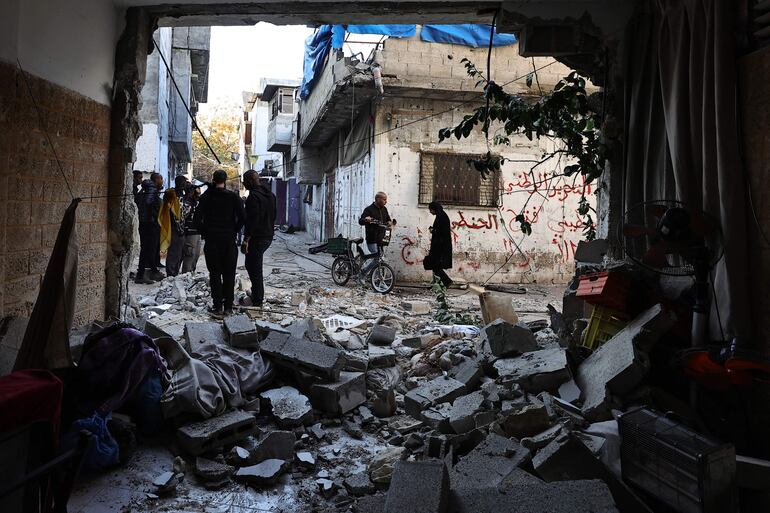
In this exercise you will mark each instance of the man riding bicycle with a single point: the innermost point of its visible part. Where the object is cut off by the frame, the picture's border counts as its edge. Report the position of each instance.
(376, 219)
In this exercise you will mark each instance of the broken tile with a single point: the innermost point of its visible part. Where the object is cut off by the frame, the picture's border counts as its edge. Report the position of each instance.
(305, 459)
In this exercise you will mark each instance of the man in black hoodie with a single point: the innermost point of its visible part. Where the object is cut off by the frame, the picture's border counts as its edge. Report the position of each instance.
(148, 206)
(219, 217)
(260, 226)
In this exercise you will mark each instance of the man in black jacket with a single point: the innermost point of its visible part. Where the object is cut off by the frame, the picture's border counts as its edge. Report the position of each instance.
(148, 206)
(260, 226)
(374, 218)
(219, 217)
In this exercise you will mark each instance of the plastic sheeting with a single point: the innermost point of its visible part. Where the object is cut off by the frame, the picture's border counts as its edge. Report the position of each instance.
(317, 48)
(384, 30)
(465, 34)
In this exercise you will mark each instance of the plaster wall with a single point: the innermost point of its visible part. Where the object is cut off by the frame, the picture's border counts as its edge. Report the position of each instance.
(71, 44)
(485, 239)
(260, 117)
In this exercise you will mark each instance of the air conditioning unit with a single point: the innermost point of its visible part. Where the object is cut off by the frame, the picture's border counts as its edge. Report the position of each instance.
(689, 472)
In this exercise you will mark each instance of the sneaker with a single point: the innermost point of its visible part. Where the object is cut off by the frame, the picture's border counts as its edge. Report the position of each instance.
(143, 280)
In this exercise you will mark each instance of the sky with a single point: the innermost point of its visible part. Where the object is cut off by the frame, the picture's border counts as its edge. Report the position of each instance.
(240, 56)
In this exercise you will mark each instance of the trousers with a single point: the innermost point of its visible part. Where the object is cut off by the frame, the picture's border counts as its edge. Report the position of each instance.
(149, 247)
(191, 252)
(254, 259)
(221, 260)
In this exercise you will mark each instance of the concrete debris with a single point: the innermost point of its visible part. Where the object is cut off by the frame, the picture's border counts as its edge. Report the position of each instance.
(274, 445)
(167, 482)
(464, 408)
(619, 364)
(359, 484)
(197, 334)
(380, 357)
(437, 417)
(488, 463)
(404, 425)
(381, 335)
(264, 473)
(416, 307)
(238, 457)
(436, 391)
(418, 487)
(212, 471)
(468, 371)
(380, 469)
(420, 341)
(326, 487)
(540, 370)
(564, 497)
(317, 431)
(289, 407)
(241, 331)
(308, 328)
(216, 432)
(385, 378)
(526, 421)
(304, 355)
(341, 396)
(384, 403)
(540, 440)
(305, 459)
(569, 391)
(504, 339)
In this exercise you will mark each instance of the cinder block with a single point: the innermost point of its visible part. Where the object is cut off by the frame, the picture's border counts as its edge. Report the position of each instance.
(439, 390)
(216, 432)
(504, 339)
(304, 355)
(241, 331)
(418, 487)
(536, 371)
(341, 396)
(199, 333)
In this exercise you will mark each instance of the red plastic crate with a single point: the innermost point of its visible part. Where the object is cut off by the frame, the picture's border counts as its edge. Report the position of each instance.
(606, 288)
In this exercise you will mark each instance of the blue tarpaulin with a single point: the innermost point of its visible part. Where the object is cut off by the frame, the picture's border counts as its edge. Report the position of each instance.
(384, 30)
(317, 47)
(467, 35)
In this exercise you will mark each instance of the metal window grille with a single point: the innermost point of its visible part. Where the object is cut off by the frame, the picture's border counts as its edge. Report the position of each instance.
(449, 179)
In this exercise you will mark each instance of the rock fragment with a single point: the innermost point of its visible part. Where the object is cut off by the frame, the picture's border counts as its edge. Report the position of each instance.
(439, 390)
(418, 487)
(380, 469)
(289, 407)
(241, 331)
(381, 335)
(264, 473)
(536, 371)
(504, 339)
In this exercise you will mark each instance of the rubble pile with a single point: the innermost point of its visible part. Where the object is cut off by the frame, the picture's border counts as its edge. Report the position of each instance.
(381, 408)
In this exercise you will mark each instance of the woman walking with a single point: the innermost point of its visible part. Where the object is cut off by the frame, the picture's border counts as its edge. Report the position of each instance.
(440, 254)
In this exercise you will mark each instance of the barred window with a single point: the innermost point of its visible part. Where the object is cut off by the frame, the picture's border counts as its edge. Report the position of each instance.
(449, 179)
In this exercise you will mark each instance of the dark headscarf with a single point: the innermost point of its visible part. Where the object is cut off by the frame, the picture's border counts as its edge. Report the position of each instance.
(435, 206)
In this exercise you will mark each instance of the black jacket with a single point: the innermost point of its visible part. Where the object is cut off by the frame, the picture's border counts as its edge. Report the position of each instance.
(440, 253)
(374, 233)
(148, 202)
(219, 214)
(260, 213)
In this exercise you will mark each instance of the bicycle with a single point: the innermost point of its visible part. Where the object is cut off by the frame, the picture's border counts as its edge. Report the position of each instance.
(351, 259)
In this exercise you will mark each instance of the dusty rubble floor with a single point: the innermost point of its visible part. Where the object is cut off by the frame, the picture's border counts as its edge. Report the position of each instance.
(126, 489)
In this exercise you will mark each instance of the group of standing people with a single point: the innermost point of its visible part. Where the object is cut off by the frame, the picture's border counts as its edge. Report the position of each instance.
(177, 223)
(166, 225)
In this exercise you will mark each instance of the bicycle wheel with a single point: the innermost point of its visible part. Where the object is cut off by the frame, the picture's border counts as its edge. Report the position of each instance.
(383, 278)
(341, 270)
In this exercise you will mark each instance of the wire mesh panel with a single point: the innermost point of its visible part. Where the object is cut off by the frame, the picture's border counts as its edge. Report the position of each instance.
(449, 179)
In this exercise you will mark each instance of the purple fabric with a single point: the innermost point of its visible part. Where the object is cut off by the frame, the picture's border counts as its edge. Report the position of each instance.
(114, 365)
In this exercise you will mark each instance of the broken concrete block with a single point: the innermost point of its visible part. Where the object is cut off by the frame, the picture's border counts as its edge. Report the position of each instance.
(381, 335)
(503, 339)
(488, 463)
(199, 333)
(526, 421)
(404, 424)
(167, 482)
(305, 459)
(263, 473)
(274, 445)
(468, 372)
(619, 364)
(437, 417)
(569, 391)
(359, 484)
(264, 328)
(420, 341)
(238, 456)
(216, 432)
(416, 307)
(304, 355)
(536, 371)
(289, 407)
(326, 487)
(381, 357)
(418, 487)
(540, 440)
(564, 497)
(213, 471)
(484, 418)
(437, 391)
(241, 331)
(436, 446)
(308, 328)
(356, 361)
(341, 396)
(464, 409)
(380, 469)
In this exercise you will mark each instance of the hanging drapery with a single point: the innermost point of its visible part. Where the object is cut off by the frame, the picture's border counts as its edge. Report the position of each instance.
(681, 132)
(46, 341)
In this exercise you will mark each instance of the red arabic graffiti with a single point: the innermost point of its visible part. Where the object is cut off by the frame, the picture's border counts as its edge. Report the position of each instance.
(543, 184)
(490, 223)
(407, 249)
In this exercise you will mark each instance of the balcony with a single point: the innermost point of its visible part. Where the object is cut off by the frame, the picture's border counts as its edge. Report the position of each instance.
(279, 133)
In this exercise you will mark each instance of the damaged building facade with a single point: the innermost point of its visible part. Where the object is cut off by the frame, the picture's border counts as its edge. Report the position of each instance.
(165, 145)
(668, 72)
(352, 141)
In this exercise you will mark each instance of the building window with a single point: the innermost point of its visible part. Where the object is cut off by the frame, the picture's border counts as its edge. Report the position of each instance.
(449, 179)
(287, 102)
(274, 107)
